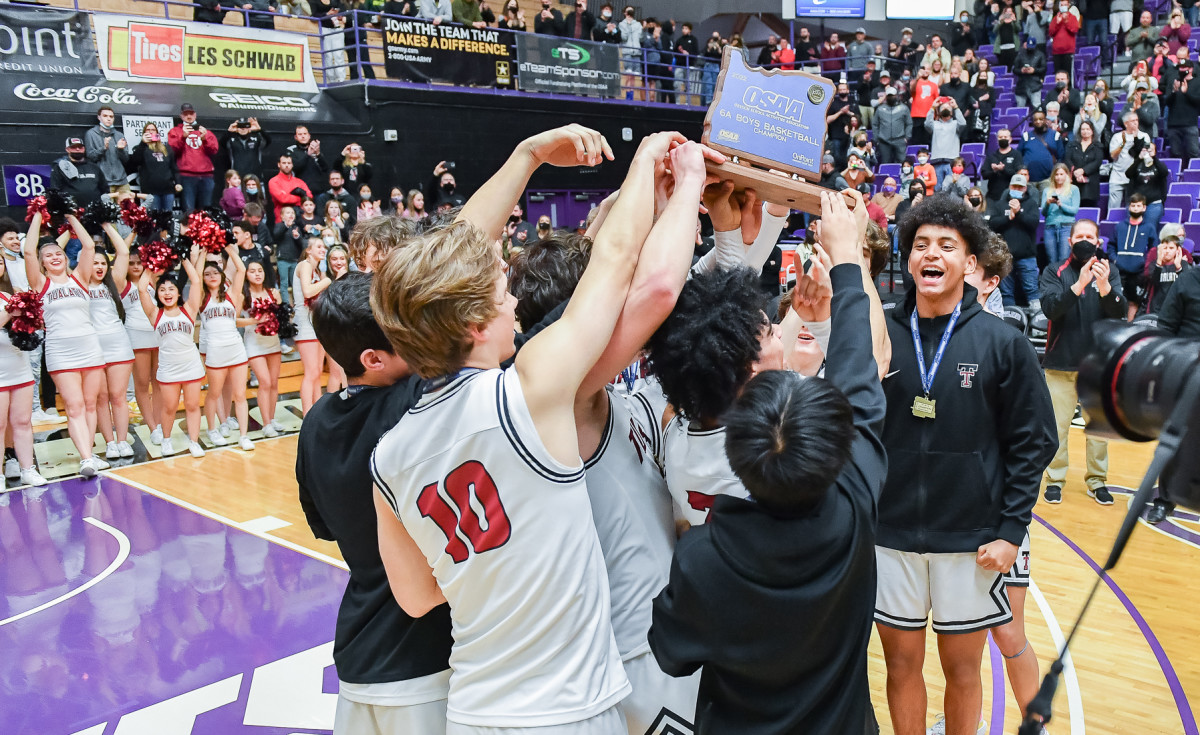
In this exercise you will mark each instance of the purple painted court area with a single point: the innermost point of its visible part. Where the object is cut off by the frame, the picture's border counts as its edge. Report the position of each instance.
(123, 614)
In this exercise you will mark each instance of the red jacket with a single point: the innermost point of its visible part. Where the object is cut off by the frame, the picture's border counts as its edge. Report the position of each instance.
(194, 154)
(1063, 29)
(280, 188)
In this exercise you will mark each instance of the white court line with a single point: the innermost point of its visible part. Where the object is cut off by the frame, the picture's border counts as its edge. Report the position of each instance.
(122, 555)
(227, 521)
(266, 524)
(1070, 678)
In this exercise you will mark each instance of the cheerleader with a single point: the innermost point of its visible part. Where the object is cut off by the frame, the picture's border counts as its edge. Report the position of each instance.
(145, 349)
(106, 281)
(337, 264)
(225, 358)
(307, 284)
(179, 366)
(73, 355)
(263, 350)
(16, 391)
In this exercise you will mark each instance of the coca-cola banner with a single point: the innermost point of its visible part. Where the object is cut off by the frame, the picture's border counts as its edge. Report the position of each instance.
(46, 41)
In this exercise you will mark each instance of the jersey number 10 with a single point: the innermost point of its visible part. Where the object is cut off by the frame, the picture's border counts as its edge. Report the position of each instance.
(469, 478)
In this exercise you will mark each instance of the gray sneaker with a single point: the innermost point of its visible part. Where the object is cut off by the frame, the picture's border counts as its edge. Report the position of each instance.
(1101, 495)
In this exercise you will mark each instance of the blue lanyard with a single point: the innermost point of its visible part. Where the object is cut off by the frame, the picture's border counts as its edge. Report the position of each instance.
(441, 381)
(927, 377)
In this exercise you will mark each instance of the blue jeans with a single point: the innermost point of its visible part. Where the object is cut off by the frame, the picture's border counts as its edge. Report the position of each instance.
(1154, 214)
(942, 171)
(197, 192)
(1026, 270)
(1096, 32)
(1058, 245)
(162, 201)
(711, 69)
(287, 268)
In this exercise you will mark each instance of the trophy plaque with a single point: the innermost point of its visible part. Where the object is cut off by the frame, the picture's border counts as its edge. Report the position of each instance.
(770, 124)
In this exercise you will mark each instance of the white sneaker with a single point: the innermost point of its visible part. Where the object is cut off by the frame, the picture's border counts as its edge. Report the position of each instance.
(245, 444)
(167, 448)
(99, 463)
(215, 438)
(126, 450)
(278, 426)
(269, 431)
(223, 429)
(113, 451)
(156, 436)
(87, 467)
(30, 476)
(45, 417)
(12, 468)
(195, 449)
(231, 422)
(286, 349)
(253, 380)
(939, 727)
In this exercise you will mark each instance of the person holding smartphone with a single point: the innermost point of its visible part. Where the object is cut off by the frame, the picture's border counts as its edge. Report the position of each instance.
(194, 146)
(154, 163)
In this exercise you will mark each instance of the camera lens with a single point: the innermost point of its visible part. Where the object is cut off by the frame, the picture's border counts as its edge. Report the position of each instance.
(1129, 382)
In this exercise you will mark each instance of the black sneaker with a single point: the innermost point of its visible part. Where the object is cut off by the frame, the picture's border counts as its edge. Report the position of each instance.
(1159, 510)
(1054, 494)
(1101, 495)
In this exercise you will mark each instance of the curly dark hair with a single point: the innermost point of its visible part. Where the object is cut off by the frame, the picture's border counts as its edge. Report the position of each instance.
(944, 210)
(545, 274)
(703, 353)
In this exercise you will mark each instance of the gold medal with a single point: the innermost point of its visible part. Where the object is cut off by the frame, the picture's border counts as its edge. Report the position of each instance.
(923, 408)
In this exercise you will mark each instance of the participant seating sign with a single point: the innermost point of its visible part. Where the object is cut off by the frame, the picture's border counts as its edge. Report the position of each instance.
(179, 52)
(418, 51)
(552, 64)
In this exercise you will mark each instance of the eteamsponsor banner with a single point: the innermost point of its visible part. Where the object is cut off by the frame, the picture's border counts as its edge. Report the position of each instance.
(552, 64)
(419, 51)
(46, 41)
(179, 52)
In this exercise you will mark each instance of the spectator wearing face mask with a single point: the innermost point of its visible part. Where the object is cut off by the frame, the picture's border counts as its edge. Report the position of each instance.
(1149, 177)
(108, 149)
(368, 206)
(837, 117)
(956, 183)
(888, 199)
(233, 201)
(906, 176)
(548, 21)
(1001, 164)
(1064, 27)
(893, 126)
(1132, 240)
(254, 191)
(855, 176)
(946, 126)
(245, 144)
(544, 228)
(606, 31)
(580, 21)
(1016, 218)
(75, 175)
(443, 189)
(1029, 70)
(1041, 148)
(925, 172)
(976, 201)
(865, 150)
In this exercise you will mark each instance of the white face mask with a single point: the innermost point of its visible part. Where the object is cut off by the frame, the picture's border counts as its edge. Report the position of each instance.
(1063, 8)
(923, 160)
(329, 241)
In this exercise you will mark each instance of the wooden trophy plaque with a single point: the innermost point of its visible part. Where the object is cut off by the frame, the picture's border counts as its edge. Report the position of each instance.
(771, 126)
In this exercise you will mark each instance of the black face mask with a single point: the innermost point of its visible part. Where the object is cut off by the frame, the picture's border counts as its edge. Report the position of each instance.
(1083, 251)
(76, 157)
(891, 99)
(1003, 143)
(975, 201)
(448, 187)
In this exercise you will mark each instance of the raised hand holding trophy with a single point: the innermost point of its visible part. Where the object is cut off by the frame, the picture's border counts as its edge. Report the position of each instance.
(771, 126)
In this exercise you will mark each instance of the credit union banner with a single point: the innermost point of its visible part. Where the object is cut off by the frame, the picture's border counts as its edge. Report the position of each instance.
(178, 52)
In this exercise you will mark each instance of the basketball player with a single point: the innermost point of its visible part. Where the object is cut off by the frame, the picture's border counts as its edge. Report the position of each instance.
(481, 499)
(619, 432)
(774, 598)
(969, 430)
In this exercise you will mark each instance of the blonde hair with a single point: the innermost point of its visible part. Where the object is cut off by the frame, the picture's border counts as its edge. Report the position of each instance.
(427, 296)
(383, 233)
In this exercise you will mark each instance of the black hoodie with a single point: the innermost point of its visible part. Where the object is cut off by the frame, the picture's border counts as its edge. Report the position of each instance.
(777, 610)
(970, 475)
(1071, 317)
(1180, 314)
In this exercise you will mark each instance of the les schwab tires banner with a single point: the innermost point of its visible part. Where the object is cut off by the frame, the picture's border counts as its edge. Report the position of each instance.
(179, 52)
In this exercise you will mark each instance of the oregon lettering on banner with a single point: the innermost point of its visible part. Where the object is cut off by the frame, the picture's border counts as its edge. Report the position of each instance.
(168, 51)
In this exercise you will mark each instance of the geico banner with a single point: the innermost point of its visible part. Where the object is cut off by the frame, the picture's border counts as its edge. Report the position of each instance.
(179, 52)
(552, 64)
(46, 41)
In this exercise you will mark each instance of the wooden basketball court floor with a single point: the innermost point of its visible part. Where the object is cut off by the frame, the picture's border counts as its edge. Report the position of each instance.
(1133, 669)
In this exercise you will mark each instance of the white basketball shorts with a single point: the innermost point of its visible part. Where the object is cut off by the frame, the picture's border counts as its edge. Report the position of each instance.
(963, 597)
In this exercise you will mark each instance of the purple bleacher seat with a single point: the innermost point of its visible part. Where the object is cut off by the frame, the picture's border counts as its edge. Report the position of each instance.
(1108, 229)
(1188, 245)
(1179, 201)
(1172, 215)
(1020, 112)
(1194, 165)
(985, 49)
(1191, 176)
(889, 169)
(1092, 213)
(1195, 219)
(912, 150)
(1000, 71)
(1116, 215)
(1186, 188)
(1088, 51)
(1104, 190)
(976, 148)
(1174, 165)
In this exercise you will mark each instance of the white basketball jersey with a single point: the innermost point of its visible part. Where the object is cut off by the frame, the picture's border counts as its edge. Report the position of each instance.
(508, 533)
(632, 512)
(697, 469)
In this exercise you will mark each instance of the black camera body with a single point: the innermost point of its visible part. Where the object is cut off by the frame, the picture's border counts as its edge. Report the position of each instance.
(1132, 382)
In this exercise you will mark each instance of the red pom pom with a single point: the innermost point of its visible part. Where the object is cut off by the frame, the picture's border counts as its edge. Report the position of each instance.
(25, 308)
(264, 309)
(136, 217)
(37, 204)
(158, 256)
(206, 233)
